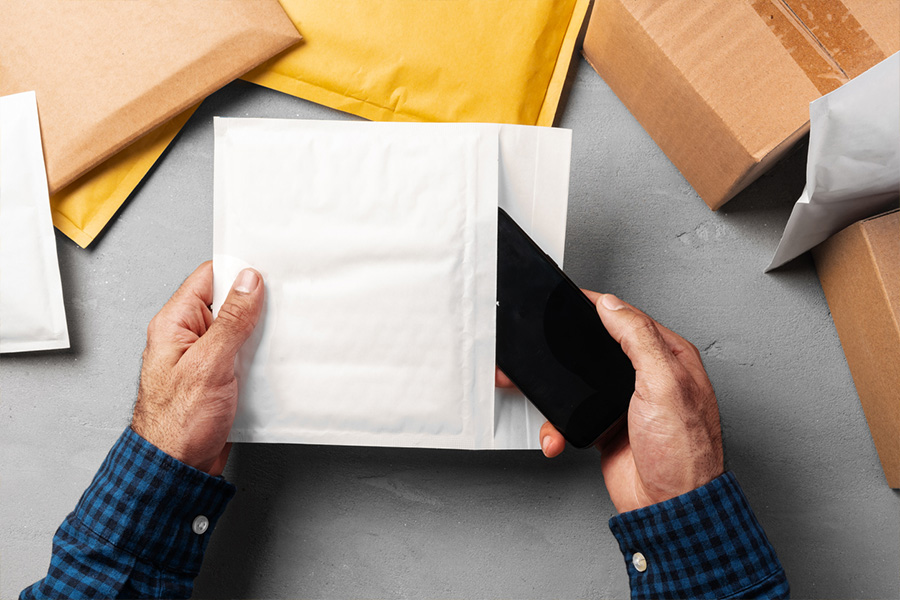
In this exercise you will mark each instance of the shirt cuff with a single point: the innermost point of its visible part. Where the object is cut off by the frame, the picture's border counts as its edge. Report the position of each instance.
(153, 506)
(706, 543)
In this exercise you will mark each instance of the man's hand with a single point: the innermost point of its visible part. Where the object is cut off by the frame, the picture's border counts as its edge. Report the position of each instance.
(188, 392)
(673, 440)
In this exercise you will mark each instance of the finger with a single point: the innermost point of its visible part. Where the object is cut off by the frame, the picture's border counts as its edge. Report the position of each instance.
(184, 318)
(637, 333)
(677, 343)
(235, 322)
(686, 353)
(593, 296)
(196, 290)
(501, 380)
(198, 286)
(552, 441)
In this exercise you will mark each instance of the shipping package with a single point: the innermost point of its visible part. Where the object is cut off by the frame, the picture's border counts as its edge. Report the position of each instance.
(377, 243)
(859, 268)
(724, 87)
(853, 166)
(83, 208)
(32, 314)
(514, 78)
(107, 73)
(491, 61)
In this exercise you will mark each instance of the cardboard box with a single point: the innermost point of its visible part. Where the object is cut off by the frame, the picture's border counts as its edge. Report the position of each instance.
(724, 87)
(859, 268)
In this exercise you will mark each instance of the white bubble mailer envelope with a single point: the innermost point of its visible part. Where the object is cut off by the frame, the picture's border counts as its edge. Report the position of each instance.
(377, 243)
(32, 314)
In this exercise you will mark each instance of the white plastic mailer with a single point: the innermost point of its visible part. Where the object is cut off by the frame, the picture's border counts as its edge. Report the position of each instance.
(853, 167)
(377, 243)
(32, 315)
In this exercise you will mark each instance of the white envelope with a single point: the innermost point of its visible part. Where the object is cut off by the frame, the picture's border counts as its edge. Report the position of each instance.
(377, 242)
(853, 167)
(32, 315)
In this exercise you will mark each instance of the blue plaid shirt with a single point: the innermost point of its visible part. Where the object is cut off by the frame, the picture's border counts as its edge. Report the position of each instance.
(703, 544)
(134, 534)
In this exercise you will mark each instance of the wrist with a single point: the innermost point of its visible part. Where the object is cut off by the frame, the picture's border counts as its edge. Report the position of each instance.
(144, 426)
(655, 494)
(145, 503)
(705, 543)
(200, 450)
(155, 434)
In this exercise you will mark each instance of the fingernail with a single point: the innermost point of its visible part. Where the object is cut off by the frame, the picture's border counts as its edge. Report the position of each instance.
(611, 302)
(246, 281)
(545, 444)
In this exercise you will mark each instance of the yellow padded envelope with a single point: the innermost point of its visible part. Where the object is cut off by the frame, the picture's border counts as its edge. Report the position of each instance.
(83, 208)
(499, 61)
(502, 61)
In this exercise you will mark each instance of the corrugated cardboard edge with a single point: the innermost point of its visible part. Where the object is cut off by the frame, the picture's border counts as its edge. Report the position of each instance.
(563, 61)
(713, 147)
(138, 158)
(766, 160)
(868, 329)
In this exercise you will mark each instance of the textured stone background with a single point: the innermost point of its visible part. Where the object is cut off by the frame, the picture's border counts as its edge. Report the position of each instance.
(356, 522)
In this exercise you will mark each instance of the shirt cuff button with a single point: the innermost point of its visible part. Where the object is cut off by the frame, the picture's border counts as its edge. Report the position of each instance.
(639, 562)
(200, 525)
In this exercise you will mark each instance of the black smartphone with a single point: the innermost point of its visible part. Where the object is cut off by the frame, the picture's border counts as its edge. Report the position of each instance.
(552, 344)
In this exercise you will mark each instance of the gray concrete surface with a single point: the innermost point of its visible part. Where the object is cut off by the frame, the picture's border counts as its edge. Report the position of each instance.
(361, 523)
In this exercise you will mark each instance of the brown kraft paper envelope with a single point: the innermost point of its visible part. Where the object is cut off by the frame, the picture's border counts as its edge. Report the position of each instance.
(107, 73)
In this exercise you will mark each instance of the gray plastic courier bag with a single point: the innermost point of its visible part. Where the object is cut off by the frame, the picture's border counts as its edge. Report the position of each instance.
(377, 243)
(32, 315)
(853, 167)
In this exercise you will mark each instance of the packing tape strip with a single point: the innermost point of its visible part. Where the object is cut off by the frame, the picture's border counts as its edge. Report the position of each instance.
(826, 29)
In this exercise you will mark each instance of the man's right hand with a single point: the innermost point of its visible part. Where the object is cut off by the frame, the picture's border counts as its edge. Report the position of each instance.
(673, 440)
(188, 393)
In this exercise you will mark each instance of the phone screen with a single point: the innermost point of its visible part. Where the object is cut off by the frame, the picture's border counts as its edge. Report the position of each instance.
(552, 344)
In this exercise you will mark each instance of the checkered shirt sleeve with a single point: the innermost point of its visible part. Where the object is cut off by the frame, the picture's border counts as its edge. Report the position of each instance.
(132, 533)
(703, 544)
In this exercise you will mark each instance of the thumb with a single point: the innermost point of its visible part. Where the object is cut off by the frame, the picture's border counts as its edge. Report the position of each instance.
(637, 333)
(236, 319)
